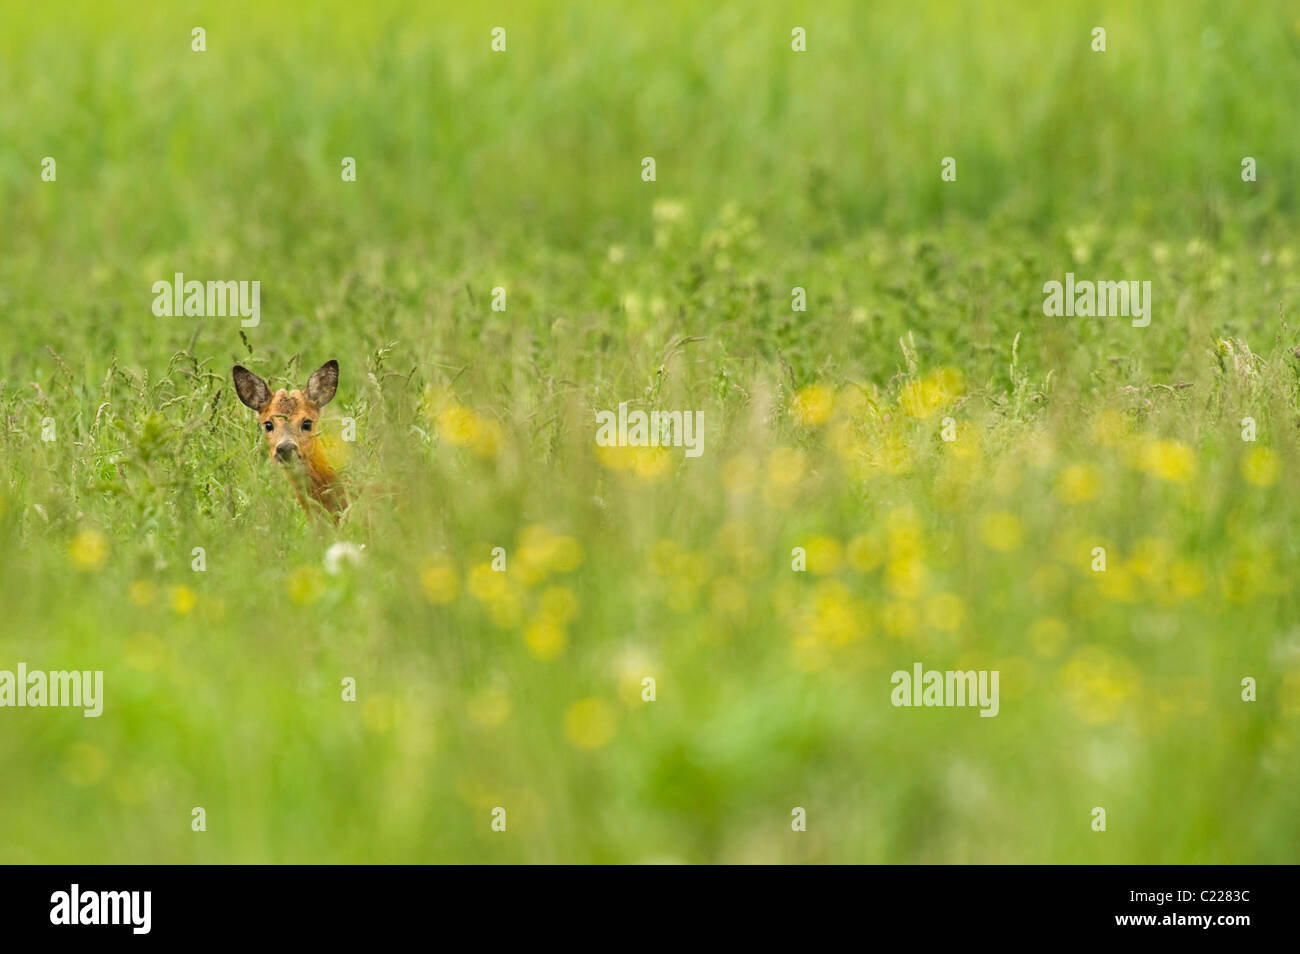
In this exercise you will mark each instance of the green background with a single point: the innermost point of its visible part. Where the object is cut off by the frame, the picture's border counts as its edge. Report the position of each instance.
(475, 430)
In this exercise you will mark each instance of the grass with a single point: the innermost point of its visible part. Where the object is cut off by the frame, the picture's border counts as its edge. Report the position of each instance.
(475, 430)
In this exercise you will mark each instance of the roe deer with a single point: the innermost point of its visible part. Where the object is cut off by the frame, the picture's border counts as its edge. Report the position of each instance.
(289, 421)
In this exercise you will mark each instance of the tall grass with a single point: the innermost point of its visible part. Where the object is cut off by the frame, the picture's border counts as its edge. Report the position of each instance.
(523, 689)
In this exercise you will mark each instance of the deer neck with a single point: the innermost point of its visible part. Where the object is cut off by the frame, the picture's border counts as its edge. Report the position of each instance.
(319, 470)
(320, 482)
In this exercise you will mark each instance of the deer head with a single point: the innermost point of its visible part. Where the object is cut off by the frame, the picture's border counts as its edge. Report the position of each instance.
(290, 421)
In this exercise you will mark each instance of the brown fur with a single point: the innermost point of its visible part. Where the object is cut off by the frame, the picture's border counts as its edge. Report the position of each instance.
(308, 470)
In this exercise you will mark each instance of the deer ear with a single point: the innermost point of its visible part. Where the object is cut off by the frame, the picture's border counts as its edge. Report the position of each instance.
(251, 389)
(323, 382)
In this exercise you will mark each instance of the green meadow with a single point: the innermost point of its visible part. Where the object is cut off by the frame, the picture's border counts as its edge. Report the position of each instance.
(624, 654)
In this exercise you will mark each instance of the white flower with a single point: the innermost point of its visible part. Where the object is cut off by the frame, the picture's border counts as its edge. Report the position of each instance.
(341, 554)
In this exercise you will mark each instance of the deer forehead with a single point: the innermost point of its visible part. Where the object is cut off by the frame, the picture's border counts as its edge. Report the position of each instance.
(289, 404)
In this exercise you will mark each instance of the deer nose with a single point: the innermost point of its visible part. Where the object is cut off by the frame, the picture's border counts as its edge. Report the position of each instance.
(286, 450)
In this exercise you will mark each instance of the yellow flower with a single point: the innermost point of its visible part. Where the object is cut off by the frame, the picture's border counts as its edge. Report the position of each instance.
(951, 382)
(589, 724)
(182, 599)
(1260, 467)
(905, 577)
(694, 567)
(89, 549)
(906, 536)
(615, 457)
(1247, 576)
(1186, 579)
(1000, 531)
(1098, 684)
(864, 553)
(823, 555)
(1150, 558)
(812, 406)
(457, 425)
(486, 584)
(966, 447)
(545, 639)
(306, 585)
(785, 467)
(922, 398)
(558, 603)
(1078, 483)
(892, 454)
(438, 580)
(1117, 583)
(1171, 461)
(566, 554)
(836, 617)
(650, 463)
(535, 554)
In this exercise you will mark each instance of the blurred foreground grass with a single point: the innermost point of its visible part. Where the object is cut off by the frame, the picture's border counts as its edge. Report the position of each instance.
(475, 430)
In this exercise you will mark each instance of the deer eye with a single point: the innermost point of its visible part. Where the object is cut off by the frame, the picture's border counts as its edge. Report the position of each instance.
(306, 425)
(269, 427)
